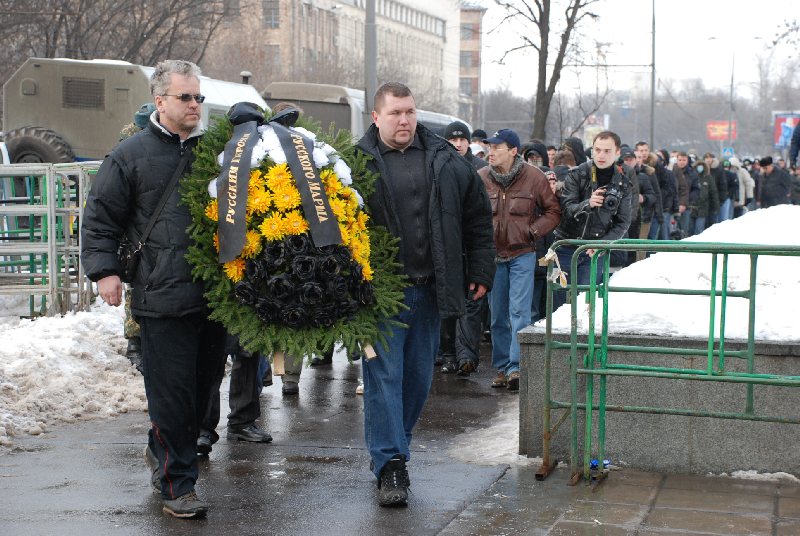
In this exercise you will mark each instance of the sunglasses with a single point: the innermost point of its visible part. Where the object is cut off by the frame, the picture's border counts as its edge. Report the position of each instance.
(187, 97)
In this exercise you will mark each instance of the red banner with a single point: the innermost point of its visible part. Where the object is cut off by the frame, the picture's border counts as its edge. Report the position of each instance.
(718, 130)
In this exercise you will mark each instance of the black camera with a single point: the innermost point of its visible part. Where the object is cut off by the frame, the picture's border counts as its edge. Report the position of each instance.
(612, 197)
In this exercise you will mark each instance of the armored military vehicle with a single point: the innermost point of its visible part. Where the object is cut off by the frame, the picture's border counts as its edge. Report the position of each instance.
(63, 110)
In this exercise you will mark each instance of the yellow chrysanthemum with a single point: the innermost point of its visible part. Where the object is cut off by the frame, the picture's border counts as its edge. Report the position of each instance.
(272, 227)
(338, 207)
(257, 179)
(212, 210)
(286, 198)
(279, 177)
(366, 269)
(259, 201)
(252, 245)
(345, 234)
(234, 269)
(216, 241)
(362, 218)
(294, 223)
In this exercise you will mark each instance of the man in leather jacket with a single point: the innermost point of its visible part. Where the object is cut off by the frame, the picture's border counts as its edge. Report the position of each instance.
(524, 210)
(596, 204)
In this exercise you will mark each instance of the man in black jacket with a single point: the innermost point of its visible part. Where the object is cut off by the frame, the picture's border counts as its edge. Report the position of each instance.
(183, 352)
(596, 204)
(432, 199)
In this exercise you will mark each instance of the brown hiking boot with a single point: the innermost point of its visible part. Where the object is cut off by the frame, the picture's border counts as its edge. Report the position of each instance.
(500, 380)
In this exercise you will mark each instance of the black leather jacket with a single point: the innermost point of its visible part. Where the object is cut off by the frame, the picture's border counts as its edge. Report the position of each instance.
(579, 221)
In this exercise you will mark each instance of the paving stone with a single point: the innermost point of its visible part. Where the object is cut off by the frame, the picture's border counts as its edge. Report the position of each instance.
(717, 502)
(721, 523)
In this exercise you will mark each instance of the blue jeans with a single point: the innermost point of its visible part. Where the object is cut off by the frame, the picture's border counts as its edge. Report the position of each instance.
(397, 381)
(699, 224)
(725, 211)
(655, 227)
(686, 222)
(510, 305)
(665, 226)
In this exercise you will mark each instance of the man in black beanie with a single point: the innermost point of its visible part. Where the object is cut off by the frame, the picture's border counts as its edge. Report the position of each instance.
(457, 133)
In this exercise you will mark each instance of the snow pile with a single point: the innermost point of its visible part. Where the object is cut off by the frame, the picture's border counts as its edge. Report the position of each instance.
(777, 293)
(63, 369)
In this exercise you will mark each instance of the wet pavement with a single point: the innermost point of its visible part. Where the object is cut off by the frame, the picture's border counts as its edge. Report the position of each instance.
(90, 478)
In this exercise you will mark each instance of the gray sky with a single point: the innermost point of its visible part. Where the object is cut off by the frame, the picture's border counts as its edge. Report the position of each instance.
(740, 28)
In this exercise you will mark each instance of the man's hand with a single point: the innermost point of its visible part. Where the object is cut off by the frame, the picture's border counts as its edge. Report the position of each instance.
(478, 291)
(681, 209)
(598, 196)
(110, 289)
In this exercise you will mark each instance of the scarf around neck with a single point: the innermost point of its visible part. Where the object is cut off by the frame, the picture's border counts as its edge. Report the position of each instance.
(505, 179)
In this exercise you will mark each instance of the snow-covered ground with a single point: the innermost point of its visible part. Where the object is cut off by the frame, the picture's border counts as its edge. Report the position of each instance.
(64, 369)
(777, 293)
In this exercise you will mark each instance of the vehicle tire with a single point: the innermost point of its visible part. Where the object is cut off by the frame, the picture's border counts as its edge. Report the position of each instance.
(33, 145)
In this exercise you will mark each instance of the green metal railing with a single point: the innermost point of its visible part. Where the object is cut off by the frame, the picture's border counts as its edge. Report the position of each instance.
(590, 357)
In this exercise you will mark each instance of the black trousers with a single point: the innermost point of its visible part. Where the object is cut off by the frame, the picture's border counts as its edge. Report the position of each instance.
(182, 358)
(243, 394)
(469, 330)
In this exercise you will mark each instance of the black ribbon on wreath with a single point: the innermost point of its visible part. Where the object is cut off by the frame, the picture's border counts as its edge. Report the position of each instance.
(234, 179)
(322, 224)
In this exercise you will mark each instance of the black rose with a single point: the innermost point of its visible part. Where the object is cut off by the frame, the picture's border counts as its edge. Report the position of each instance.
(347, 308)
(356, 277)
(246, 292)
(336, 287)
(328, 266)
(267, 310)
(311, 293)
(365, 294)
(343, 255)
(304, 267)
(280, 288)
(330, 249)
(274, 255)
(324, 317)
(257, 270)
(298, 244)
(294, 316)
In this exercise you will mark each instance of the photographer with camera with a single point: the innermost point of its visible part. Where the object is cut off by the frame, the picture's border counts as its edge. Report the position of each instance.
(595, 205)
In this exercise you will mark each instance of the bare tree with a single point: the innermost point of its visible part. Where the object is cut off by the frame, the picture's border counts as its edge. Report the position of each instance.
(139, 31)
(534, 17)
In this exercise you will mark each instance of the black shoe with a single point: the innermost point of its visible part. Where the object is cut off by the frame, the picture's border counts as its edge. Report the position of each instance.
(134, 352)
(204, 443)
(355, 356)
(290, 388)
(187, 506)
(152, 463)
(326, 359)
(393, 483)
(450, 366)
(251, 433)
(466, 367)
(438, 361)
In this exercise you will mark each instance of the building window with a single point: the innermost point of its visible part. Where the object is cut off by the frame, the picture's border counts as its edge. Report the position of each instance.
(465, 87)
(466, 59)
(467, 32)
(271, 14)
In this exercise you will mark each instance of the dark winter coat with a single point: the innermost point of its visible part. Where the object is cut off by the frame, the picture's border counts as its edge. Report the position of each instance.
(794, 146)
(648, 194)
(460, 218)
(123, 196)
(707, 202)
(579, 221)
(722, 181)
(523, 212)
(654, 209)
(669, 188)
(776, 188)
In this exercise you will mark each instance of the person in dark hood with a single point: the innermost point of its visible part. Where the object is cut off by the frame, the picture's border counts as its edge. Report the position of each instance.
(576, 146)
(535, 154)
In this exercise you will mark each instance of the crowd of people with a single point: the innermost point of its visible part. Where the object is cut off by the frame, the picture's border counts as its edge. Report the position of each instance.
(472, 216)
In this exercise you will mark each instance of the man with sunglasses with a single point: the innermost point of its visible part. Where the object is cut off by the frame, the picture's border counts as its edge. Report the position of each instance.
(182, 350)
